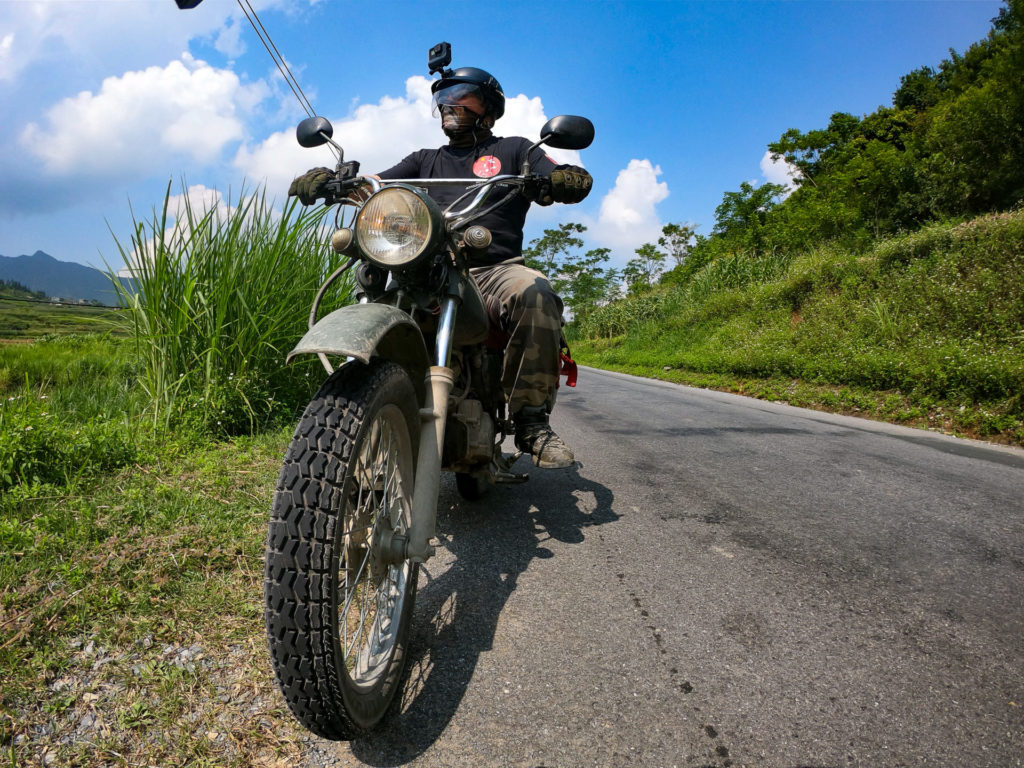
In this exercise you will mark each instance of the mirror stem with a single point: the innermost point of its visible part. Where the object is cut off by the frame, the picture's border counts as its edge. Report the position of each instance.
(526, 162)
(329, 140)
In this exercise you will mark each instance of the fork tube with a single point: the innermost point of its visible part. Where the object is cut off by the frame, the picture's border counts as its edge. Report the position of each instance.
(445, 328)
(440, 380)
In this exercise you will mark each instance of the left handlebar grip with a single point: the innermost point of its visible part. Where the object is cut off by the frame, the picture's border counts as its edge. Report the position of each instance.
(337, 189)
(537, 189)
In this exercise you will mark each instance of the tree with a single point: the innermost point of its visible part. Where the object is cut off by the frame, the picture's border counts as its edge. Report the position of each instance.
(677, 240)
(740, 218)
(643, 271)
(973, 147)
(951, 144)
(545, 253)
(584, 284)
(816, 152)
(919, 90)
(581, 280)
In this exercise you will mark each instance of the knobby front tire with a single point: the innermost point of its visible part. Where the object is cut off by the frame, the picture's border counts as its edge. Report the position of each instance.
(337, 616)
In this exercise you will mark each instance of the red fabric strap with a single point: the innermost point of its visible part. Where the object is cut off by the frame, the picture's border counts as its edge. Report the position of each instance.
(568, 369)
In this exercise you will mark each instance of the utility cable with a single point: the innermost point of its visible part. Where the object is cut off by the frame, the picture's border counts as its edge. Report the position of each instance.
(282, 65)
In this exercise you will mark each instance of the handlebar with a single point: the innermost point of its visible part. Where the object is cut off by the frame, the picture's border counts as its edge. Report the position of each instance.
(481, 187)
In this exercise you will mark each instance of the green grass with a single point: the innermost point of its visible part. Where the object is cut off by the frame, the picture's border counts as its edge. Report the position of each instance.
(130, 573)
(30, 320)
(68, 407)
(135, 597)
(933, 320)
(131, 526)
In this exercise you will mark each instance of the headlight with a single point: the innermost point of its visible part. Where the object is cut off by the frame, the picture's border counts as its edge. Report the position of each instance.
(397, 226)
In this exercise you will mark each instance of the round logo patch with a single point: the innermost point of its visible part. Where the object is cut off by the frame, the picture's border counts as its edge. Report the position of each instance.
(487, 166)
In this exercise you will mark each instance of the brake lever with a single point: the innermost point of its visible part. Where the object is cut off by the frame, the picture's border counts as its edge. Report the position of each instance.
(537, 189)
(346, 180)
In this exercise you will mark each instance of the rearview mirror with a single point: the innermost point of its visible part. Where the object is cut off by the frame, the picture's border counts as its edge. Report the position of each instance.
(314, 131)
(567, 132)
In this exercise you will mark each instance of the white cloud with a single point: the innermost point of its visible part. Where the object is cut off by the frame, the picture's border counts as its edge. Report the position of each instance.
(138, 122)
(6, 60)
(779, 171)
(115, 35)
(229, 39)
(379, 135)
(628, 216)
(525, 117)
(201, 200)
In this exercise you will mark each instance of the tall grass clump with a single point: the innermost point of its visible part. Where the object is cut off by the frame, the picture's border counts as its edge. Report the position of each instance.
(218, 298)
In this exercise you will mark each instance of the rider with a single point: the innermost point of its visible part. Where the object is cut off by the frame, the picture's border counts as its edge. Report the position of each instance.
(520, 301)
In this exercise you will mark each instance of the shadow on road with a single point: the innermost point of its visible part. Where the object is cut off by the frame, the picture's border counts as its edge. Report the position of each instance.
(492, 541)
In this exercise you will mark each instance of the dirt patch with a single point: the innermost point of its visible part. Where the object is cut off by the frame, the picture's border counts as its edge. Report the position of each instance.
(155, 704)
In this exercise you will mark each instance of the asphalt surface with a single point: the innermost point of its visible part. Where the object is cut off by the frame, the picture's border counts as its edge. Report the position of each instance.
(721, 582)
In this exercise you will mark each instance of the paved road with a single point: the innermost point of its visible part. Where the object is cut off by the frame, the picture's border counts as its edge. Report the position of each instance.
(722, 582)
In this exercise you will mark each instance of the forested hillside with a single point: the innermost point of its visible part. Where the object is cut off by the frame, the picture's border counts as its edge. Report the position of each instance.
(888, 282)
(15, 290)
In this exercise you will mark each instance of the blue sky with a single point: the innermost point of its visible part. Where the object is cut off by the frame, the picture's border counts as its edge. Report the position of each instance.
(105, 101)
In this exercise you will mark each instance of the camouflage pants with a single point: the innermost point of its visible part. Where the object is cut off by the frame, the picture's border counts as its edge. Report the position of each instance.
(521, 303)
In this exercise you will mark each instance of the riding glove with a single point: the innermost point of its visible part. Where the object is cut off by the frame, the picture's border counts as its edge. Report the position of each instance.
(570, 184)
(310, 186)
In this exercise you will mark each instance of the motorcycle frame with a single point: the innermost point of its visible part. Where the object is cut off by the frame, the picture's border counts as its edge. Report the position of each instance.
(366, 330)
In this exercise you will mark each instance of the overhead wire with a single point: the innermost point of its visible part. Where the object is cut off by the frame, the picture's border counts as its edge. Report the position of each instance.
(275, 54)
(279, 62)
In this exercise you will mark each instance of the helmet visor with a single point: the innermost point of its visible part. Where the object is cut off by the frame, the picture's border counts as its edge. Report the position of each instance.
(460, 95)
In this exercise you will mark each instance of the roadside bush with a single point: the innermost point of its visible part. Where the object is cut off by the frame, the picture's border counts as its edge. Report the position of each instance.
(617, 317)
(730, 272)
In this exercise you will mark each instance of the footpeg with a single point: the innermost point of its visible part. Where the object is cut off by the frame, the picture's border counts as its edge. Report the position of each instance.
(501, 469)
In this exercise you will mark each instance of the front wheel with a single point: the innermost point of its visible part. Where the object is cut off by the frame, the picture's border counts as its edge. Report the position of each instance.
(337, 613)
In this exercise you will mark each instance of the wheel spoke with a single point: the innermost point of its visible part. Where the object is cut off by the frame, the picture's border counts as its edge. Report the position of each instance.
(353, 588)
(374, 595)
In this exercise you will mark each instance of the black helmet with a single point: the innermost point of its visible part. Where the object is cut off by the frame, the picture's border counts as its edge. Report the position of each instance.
(489, 88)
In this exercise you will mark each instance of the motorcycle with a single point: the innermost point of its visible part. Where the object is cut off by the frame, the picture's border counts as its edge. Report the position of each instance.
(419, 393)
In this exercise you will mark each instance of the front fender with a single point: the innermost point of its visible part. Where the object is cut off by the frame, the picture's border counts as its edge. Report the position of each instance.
(363, 331)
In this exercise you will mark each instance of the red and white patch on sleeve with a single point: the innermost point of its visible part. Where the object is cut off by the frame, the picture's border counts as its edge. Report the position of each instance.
(487, 166)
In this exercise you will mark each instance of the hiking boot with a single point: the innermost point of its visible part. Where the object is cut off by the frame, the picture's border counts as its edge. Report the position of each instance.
(536, 437)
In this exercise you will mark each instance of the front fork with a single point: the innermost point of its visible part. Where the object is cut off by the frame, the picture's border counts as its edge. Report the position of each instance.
(415, 545)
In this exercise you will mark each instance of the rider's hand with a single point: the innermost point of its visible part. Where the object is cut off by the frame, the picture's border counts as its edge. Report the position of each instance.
(570, 184)
(310, 186)
(538, 190)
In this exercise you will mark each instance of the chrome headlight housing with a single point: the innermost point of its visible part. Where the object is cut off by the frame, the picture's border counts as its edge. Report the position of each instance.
(398, 226)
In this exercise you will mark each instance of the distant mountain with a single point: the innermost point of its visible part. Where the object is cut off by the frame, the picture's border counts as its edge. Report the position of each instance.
(66, 279)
